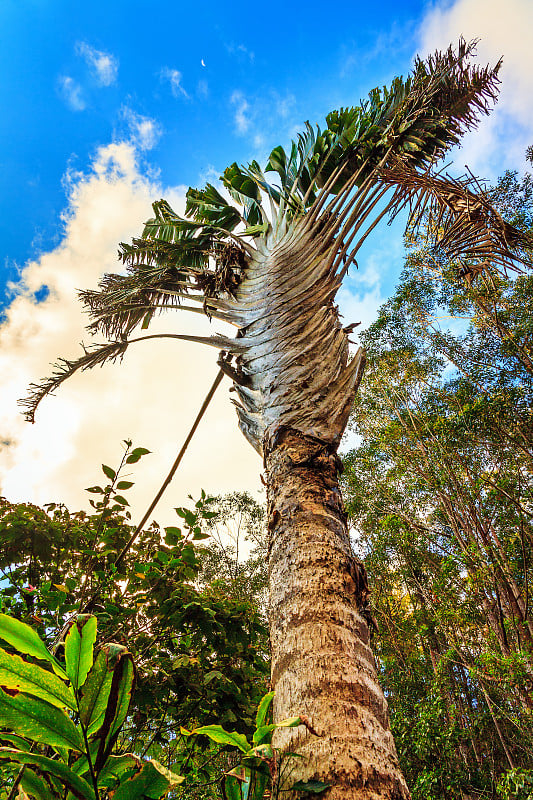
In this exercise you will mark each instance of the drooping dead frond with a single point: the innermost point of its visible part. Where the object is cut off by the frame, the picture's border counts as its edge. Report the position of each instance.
(98, 354)
(95, 355)
(464, 222)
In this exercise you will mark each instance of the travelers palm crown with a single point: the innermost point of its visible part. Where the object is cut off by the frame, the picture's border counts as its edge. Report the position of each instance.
(269, 257)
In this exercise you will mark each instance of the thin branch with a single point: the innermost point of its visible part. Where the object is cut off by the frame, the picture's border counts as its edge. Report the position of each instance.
(175, 465)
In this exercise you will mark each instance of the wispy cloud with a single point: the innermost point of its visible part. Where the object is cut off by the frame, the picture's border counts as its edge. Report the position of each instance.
(203, 89)
(72, 93)
(501, 138)
(241, 51)
(144, 132)
(241, 109)
(104, 66)
(174, 77)
(394, 43)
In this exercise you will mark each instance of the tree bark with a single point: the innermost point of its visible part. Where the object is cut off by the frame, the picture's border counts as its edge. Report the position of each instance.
(322, 664)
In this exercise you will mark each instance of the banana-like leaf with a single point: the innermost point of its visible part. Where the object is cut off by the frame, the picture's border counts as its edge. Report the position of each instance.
(264, 733)
(12, 740)
(291, 722)
(39, 721)
(151, 783)
(15, 673)
(263, 709)
(119, 768)
(233, 787)
(36, 787)
(96, 689)
(78, 786)
(217, 734)
(79, 644)
(120, 694)
(25, 640)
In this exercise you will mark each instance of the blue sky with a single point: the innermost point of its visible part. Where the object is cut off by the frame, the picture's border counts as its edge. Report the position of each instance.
(107, 106)
(74, 76)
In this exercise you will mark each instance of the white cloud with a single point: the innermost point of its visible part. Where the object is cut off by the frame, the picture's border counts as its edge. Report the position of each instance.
(203, 88)
(104, 66)
(72, 93)
(503, 30)
(174, 77)
(144, 132)
(241, 51)
(242, 107)
(151, 398)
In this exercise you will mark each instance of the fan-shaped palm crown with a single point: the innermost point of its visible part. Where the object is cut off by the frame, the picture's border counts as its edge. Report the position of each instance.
(271, 258)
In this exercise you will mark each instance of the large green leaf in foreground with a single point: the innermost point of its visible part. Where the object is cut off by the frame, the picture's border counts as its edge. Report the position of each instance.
(25, 640)
(39, 720)
(153, 781)
(79, 644)
(15, 673)
(78, 786)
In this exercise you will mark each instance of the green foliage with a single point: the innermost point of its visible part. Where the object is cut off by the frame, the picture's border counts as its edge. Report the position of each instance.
(439, 490)
(517, 784)
(258, 774)
(191, 613)
(72, 743)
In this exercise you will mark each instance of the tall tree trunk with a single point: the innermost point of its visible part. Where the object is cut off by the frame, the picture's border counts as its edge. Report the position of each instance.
(322, 664)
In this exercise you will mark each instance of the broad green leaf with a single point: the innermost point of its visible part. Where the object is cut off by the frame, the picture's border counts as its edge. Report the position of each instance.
(78, 786)
(35, 786)
(108, 472)
(264, 733)
(121, 485)
(118, 703)
(79, 644)
(263, 709)
(136, 454)
(124, 692)
(24, 639)
(95, 690)
(292, 722)
(217, 734)
(11, 740)
(38, 720)
(15, 673)
(313, 787)
(151, 783)
(117, 768)
(232, 788)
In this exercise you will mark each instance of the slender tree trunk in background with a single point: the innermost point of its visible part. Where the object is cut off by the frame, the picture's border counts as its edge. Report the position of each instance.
(322, 664)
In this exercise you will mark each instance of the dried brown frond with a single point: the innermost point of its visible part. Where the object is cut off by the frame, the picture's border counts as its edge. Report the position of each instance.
(94, 355)
(458, 211)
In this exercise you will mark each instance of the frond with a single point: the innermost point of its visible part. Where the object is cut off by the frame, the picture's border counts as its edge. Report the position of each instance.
(464, 222)
(124, 302)
(96, 355)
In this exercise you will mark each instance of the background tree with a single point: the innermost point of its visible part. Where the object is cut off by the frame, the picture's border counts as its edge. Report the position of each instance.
(439, 491)
(274, 275)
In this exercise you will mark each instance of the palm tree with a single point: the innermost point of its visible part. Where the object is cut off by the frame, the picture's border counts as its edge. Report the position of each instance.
(269, 258)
